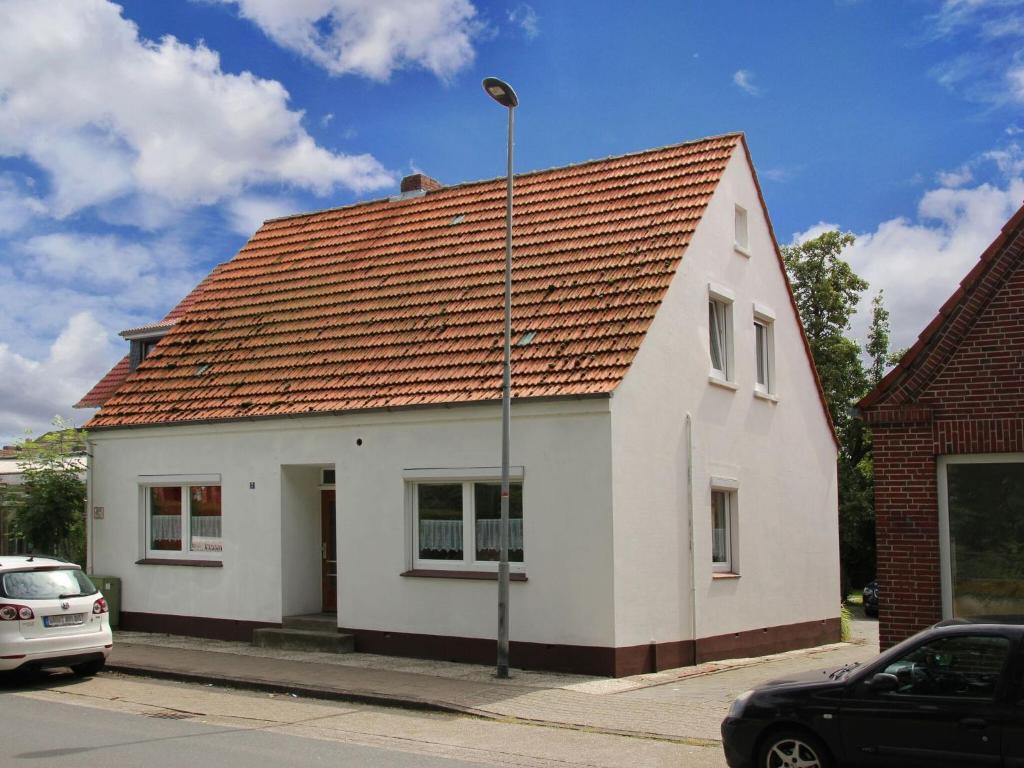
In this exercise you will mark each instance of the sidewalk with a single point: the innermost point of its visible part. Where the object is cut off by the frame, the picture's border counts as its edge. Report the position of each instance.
(685, 704)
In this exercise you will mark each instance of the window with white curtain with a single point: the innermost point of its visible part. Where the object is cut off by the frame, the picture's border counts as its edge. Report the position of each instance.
(183, 518)
(723, 504)
(764, 355)
(457, 524)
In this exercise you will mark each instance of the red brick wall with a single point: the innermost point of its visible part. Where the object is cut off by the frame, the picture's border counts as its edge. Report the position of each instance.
(965, 395)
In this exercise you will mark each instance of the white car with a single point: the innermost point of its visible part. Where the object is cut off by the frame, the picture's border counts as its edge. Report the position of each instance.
(51, 615)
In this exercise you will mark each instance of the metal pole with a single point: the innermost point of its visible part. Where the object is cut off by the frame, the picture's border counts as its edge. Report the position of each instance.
(506, 402)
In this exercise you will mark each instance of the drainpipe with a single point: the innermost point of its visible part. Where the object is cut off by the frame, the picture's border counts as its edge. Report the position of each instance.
(689, 510)
(90, 447)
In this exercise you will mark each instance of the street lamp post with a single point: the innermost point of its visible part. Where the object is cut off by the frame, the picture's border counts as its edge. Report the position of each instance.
(502, 93)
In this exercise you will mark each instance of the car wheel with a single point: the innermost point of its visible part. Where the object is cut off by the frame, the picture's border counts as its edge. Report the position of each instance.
(88, 668)
(793, 749)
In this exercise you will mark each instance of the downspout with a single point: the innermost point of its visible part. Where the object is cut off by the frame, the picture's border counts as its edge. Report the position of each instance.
(90, 448)
(689, 509)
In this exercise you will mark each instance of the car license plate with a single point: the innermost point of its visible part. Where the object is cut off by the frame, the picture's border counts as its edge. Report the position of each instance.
(64, 620)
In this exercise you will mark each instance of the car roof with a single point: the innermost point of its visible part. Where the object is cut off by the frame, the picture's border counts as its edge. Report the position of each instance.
(21, 562)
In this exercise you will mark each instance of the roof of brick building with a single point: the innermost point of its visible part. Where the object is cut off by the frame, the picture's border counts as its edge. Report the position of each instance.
(398, 303)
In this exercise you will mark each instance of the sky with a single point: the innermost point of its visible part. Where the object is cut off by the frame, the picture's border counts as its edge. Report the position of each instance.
(142, 143)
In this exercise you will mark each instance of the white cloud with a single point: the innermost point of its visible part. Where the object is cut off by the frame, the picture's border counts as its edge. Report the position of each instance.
(956, 178)
(33, 391)
(525, 17)
(111, 116)
(18, 206)
(371, 37)
(812, 232)
(920, 262)
(247, 213)
(744, 78)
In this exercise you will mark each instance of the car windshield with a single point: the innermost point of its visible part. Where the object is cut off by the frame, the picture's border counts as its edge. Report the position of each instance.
(47, 584)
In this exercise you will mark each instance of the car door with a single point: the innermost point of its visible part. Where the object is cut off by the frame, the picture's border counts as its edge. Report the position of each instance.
(945, 708)
(1013, 727)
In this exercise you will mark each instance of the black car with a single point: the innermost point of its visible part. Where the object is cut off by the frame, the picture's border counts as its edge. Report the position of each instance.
(871, 599)
(949, 696)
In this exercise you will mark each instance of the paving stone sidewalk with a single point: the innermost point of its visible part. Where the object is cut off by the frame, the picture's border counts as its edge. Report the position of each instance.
(686, 704)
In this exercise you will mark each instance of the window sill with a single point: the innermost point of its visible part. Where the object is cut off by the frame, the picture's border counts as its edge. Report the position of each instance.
(723, 383)
(724, 575)
(769, 396)
(741, 249)
(176, 561)
(429, 573)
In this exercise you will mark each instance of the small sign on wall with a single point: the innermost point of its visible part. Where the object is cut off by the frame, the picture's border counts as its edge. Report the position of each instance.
(98, 513)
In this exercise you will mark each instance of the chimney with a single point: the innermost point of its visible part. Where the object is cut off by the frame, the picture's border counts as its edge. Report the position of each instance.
(419, 182)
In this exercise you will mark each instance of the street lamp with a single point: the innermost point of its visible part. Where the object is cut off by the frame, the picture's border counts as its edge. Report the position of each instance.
(502, 93)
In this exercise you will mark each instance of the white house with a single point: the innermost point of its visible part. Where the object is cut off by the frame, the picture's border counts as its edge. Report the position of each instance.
(319, 428)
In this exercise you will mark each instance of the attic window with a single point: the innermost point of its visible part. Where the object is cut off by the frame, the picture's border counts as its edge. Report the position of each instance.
(457, 219)
(526, 338)
(202, 369)
(742, 238)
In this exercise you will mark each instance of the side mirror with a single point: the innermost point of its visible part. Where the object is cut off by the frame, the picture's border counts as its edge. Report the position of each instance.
(883, 682)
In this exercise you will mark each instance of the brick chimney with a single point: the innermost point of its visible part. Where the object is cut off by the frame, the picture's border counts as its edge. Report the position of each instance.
(419, 182)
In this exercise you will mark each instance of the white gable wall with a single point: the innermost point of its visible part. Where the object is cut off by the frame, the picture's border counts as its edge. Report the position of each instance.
(781, 453)
(563, 447)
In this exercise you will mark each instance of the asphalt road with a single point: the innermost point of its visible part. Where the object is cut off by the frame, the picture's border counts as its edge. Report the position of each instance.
(43, 734)
(112, 721)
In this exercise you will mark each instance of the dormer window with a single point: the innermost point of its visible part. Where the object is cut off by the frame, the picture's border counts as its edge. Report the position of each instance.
(143, 341)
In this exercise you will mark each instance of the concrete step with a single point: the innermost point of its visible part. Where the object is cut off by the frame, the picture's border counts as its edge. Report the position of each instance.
(303, 640)
(315, 622)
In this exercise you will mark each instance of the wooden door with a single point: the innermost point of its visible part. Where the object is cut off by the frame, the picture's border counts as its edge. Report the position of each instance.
(329, 552)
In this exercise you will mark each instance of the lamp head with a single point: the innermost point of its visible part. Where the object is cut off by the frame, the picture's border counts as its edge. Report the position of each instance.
(501, 92)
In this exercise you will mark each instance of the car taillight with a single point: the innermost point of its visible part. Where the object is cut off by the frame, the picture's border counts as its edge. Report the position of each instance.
(100, 606)
(16, 612)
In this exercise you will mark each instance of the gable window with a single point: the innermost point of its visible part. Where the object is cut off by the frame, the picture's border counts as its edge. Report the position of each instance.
(720, 341)
(741, 239)
(457, 524)
(182, 518)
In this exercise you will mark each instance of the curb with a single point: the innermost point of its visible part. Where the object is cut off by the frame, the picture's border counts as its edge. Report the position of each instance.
(384, 700)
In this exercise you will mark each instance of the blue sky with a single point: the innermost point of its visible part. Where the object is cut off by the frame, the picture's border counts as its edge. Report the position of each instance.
(141, 143)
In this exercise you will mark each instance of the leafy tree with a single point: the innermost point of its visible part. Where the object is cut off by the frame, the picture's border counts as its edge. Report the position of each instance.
(50, 504)
(827, 293)
(878, 339)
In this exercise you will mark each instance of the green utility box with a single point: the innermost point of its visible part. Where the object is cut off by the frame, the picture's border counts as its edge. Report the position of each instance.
(110, 586)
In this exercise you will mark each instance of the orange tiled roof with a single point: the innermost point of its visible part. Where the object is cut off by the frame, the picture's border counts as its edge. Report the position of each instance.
(399, 303)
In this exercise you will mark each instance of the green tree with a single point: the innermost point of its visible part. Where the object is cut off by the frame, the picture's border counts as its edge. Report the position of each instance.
(878, 339)
(50, 504)
(827, 293)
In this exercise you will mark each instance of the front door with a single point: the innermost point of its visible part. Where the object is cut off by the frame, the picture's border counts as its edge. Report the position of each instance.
(328, 552)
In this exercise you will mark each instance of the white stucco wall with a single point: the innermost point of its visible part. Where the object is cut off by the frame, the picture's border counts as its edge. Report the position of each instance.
(563, 447)
(781, 453)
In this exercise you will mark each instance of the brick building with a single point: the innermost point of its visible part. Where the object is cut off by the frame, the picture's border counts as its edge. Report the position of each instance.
(948, 426)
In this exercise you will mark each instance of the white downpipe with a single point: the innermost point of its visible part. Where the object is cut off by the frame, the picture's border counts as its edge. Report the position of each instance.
(90, 449)
(689, 510)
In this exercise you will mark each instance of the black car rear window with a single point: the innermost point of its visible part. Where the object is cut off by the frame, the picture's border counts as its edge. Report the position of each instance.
(46, 584)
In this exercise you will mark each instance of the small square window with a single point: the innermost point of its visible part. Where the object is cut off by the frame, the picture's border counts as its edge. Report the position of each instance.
(742, 240)
(720, 336)
(764, 355)
(723, 505)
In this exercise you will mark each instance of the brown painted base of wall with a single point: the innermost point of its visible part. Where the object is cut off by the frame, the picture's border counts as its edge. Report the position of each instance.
(193, 626)
(594, 660)
(578, 659)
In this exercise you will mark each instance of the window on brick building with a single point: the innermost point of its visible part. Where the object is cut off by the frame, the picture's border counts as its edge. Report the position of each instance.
(981, 509)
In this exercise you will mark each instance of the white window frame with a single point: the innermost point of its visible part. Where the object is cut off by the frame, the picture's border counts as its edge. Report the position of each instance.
(184, 482)
(741, 231)
(765, 318)
(720, 296)
(945, 543)
(729, 488)
(467, 478)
